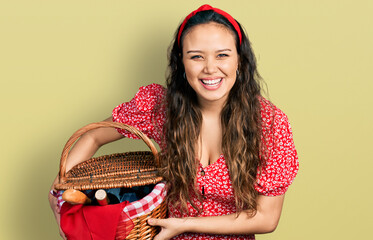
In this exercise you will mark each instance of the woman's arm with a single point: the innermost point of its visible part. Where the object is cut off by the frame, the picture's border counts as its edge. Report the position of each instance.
(264, 221)
(84, 149)
(89, 143)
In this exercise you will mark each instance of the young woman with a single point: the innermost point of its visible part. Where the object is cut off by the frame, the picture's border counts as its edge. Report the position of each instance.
(228, 153)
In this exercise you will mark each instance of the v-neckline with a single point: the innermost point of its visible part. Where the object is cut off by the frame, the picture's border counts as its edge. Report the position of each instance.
(212, 164)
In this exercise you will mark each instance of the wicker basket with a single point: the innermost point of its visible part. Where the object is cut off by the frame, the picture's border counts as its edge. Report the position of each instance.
(115, 171)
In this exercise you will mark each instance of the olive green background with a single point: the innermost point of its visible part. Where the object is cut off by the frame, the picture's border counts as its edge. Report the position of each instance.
(65, 64)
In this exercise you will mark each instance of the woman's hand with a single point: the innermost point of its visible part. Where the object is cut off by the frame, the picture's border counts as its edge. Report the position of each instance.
(170, 227)
(56, 211)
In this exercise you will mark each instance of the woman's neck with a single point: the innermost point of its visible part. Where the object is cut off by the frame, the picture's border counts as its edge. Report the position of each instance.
(211, 108)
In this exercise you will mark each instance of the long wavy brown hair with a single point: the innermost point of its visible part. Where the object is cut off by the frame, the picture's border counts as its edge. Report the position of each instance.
(240, 120)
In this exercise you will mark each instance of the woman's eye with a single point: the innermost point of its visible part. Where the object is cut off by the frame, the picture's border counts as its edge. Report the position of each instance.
(221, 55)
(196, 57)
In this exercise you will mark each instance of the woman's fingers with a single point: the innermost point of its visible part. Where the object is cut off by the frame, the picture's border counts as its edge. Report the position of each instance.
(155, 222)
(62, 234)
(170, 227)
(162, 235)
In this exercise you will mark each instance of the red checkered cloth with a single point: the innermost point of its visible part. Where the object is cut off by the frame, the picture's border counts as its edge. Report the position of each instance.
(146, 204)
(58, 195)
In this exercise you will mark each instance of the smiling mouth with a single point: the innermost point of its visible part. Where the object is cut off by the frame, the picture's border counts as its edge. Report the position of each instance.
(211, 83)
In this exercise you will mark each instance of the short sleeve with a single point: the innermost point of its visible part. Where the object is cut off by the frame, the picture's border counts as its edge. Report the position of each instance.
(281, 161)
(146, 111)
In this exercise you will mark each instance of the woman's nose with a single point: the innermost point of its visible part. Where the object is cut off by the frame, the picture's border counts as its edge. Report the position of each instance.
(210, 66)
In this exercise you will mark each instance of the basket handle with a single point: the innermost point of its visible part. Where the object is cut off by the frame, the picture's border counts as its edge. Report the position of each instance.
(92, 126)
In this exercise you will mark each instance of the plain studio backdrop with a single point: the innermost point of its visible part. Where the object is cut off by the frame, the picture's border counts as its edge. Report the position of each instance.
(65, 64)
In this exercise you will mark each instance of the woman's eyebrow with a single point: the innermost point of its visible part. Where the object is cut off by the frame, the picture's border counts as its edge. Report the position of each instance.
(194, 51)
(224, 50)
(199, 51)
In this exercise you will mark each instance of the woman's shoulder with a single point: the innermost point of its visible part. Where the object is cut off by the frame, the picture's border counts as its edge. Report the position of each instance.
(153, 90)
(270, 113)
(149, 96)
(148, 99)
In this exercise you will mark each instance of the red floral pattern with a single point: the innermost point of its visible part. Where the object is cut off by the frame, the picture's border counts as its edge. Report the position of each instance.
(147, 112)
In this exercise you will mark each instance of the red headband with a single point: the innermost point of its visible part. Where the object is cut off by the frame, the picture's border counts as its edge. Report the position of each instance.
(206, 8)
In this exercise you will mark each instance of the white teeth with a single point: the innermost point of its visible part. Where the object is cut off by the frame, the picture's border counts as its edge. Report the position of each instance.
(212, 82)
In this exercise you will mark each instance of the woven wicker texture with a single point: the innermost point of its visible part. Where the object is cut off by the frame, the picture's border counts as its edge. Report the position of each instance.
(110, 171)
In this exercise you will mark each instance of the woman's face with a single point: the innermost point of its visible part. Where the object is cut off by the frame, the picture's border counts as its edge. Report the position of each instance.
(210, 59)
